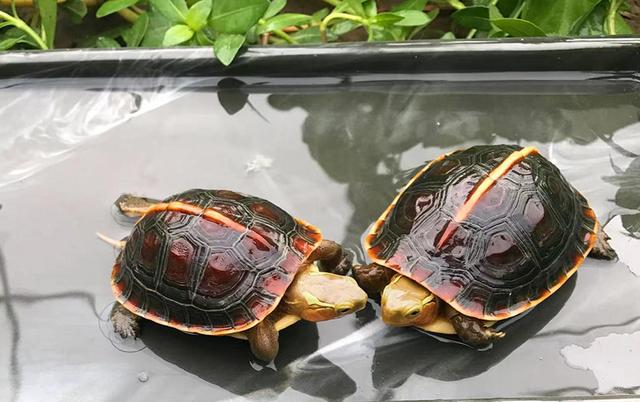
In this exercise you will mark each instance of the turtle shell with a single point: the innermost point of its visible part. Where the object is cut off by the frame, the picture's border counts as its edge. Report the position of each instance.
(491, 230)
(211, 261)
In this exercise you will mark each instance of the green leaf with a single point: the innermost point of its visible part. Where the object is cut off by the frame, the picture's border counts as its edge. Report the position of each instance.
(236, 16)
(113, 6)
(518, 28)
(558, 17)
(7, 43)
(410, 5)
(319, 15)
(198, 14)
(274, 8)
(177, 34)
(105, 42)
(593, 25)
(411, 18)
(48, 15)
(227, 46)
(283, 21)
(76, 9)
(174, 10)
(158, 26)
(448, 36)
(507, 7)
(370, 8)
(386, 19)
(310, 35)
(16, 33)
(622, 28)
(344, 27)
(356, 6)
(476, 17)
(134, 35)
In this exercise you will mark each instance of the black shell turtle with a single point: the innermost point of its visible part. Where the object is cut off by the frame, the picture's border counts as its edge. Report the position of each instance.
(491, 231)
(217, 262)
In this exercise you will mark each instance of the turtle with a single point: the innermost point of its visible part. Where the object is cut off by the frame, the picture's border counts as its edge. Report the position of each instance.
(219, 262)
(478, 236)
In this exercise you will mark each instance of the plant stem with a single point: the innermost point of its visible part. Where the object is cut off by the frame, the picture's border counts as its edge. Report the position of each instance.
(518, 10)
(332, 2)
(129, 15)
(457, 4)
(21, 25)
(282, 34)
(471, 33)
(332, 16)
(29, 3)
(611, 17)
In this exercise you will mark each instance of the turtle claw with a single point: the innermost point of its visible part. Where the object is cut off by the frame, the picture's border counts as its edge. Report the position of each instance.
(602, 250)
(473, 331)
(124, 322)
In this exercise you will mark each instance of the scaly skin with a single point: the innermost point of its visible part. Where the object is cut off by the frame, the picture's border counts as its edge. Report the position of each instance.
(602, 250)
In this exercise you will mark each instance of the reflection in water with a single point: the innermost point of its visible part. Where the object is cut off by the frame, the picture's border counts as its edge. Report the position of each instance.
(361, 135)
(225, 361)
(628, 196)
(8, 299)
(395, 362)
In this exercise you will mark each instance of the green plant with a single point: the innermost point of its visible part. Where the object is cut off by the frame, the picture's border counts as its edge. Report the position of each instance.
(228, 25)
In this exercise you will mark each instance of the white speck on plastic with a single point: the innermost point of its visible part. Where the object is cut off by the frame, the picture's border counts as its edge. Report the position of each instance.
(143, 376)
(366, 108)
(258, 163)
(438, 123)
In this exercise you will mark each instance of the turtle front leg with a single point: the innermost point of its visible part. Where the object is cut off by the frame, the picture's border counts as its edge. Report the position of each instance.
(471, 330)
(372, 278)
(602, 250)
(263, 339)
(132, 206)
(125, 323)
(331, 258)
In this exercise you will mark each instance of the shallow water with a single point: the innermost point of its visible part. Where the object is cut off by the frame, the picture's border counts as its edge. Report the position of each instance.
(332, 152)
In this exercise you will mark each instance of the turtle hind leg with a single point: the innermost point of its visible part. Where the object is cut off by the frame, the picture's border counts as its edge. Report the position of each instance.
(472, 331)
(331, 258)
(601, 249)
(131, 206)
(263, 339)
(125, 323)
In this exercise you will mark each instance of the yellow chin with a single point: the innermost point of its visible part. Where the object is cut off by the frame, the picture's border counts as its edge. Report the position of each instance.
(318, 314)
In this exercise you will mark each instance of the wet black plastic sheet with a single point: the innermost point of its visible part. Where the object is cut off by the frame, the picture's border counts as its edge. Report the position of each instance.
(330, 135)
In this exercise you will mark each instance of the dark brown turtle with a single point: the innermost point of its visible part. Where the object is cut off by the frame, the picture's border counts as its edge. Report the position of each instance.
(218, 262)
(478, 236)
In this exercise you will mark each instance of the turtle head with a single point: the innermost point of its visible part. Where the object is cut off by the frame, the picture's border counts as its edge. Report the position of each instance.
(404, 302)
(320, 296)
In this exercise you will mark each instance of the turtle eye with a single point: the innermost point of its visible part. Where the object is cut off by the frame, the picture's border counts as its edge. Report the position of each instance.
(343, 310)
(413, 313)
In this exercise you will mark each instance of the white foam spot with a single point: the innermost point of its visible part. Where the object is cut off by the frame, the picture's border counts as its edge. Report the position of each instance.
(258, 163)
(613, 360)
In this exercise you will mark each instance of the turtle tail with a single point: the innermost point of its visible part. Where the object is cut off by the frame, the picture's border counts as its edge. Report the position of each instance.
(119, 244)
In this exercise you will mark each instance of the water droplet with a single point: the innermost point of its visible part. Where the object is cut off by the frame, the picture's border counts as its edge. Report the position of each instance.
(143, 376)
